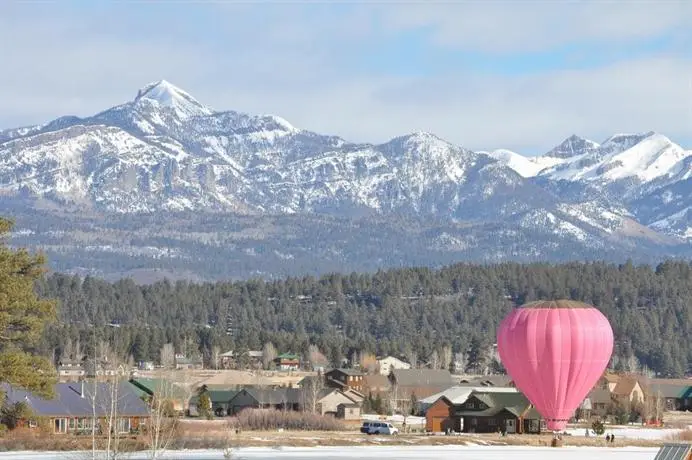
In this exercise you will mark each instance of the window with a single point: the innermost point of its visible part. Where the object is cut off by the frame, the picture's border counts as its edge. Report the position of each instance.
(71, 424)
(492, 422)
(474, 421)
(123, 425)
(60, 425)
(471, 405)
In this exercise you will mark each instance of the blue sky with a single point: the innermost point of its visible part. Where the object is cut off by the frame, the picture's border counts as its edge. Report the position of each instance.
(485, 75)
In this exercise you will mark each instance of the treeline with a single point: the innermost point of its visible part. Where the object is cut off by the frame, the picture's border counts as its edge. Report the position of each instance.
(409, 312)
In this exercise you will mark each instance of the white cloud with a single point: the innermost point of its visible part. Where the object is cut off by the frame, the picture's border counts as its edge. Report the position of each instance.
(286, 62)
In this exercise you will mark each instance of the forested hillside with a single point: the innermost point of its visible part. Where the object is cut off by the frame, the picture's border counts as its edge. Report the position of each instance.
(407, 311)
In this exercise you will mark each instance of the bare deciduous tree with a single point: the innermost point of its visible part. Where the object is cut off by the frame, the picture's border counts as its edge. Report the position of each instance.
(168, 356)
(163, 420)
(268, 355)
(315, 357)
(215, 356)
(446, 357)
(311, 391)
(412, 358)
(434, 361)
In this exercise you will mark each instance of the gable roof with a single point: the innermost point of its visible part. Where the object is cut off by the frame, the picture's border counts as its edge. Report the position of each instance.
(216, 396)
(624, 386)
(290, 356)
(515, 403)
(664, 389)
(460, 393)
(69, 402)
(273, 397)
(488, 381)
(422, 377)
(599, 396)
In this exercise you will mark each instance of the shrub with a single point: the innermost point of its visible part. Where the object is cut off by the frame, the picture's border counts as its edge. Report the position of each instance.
(598, 427)
(270, 419)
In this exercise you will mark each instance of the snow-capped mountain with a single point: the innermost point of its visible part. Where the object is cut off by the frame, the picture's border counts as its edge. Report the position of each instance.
(164, 151)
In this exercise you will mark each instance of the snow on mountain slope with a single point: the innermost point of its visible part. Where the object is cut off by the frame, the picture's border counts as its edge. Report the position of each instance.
(524, 166)
(166, 151)
(642, 157)
(171, 97)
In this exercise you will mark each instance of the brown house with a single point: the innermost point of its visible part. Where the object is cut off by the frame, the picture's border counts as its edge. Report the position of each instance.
(493, 412)
(484, 413)
(627, 391)
(345, 379)
(376, 384)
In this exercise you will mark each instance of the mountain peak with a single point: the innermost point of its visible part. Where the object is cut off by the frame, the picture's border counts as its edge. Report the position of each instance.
(168, 95)
(572, 146)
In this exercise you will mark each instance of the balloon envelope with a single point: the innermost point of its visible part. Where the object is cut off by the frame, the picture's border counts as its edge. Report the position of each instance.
(555, 352)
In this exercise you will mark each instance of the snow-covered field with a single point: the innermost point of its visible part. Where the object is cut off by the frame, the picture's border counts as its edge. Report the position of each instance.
(630, 432)
(367, 453)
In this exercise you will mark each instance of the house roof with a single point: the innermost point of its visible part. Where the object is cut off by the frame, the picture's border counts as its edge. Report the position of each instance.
(422, 377)
(288, 356)
(216, 396)
(459, 394)
(599, 396)
(610, 377)
(624, 386)
(346, 371)
(273, 397)
(515, 403)
(151, 386)
(68, 400)
(488, 381)
(668, 390)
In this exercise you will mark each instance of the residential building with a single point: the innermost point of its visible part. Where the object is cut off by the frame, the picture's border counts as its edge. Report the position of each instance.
(488, 381)
(184, 362)
(458, 395)
(600, 400)
(490, 412)
(329, 400)
(418, 383)
(348, 411)
(627, 391)
(345, 379)
(73, 406)
(280, 399)
(386, 365)
(251, 359)
(287, 362)
(220, 402)
(675, 394)
(70, 370)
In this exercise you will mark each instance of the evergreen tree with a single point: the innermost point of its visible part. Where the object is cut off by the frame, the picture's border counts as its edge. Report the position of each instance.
(23, 317)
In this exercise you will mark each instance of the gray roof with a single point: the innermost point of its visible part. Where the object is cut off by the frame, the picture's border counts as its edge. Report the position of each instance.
(68, 401)
(422, 377)
(599, 396)
(274, 397)
(668, 390)
(354, 372)
(487, 381)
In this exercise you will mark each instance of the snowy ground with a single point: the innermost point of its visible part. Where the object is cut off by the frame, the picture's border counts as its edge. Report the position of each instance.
(372, 453)
(630, 432)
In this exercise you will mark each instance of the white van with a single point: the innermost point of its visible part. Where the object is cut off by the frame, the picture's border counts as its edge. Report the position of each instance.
(374, 427)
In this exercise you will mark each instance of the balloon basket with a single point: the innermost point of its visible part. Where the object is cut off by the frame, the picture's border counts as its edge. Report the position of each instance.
(557, 440)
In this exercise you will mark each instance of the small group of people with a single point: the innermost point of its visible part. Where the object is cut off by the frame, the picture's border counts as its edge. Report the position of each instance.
(610, 438)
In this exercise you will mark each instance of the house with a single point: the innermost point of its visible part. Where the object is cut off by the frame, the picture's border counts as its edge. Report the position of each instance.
(280, 399)
(376, 384)
(147, 388)
(600, 400)
(329, 400)
(348, 411)
(386, 365)
(458, 395)
(345, 379)
(608, 381)
(676, 394)
(584, 410)
(489, 412)
(72, 408)
(488, 381)
(287, 362)
(102, 369)
(220, 402)
(627, 391)
(145, 365)
(70, 370)
(418, 383)
(251, 359)
(183, 362)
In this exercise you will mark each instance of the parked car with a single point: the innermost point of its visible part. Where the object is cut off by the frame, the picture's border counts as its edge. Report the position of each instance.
(370, 427)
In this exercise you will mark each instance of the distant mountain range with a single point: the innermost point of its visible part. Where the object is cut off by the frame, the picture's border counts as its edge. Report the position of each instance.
(164, 182)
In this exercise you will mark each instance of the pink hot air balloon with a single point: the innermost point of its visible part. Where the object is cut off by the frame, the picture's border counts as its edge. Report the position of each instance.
(555, 352)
